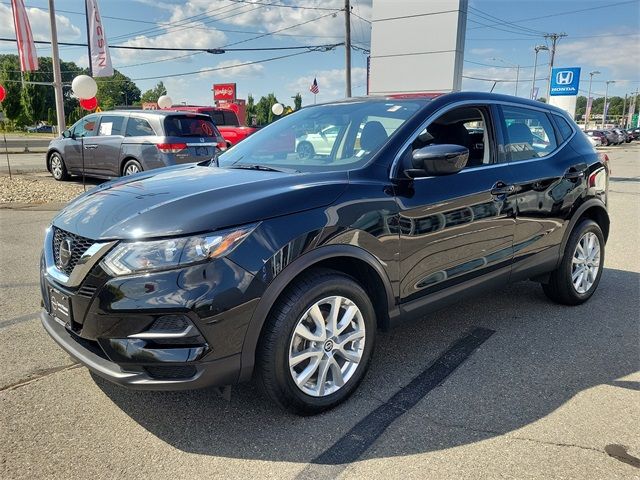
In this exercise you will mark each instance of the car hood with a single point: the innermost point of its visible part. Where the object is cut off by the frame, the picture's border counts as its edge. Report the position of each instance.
(192, 199)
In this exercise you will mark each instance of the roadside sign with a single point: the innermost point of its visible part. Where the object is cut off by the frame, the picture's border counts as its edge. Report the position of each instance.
(634, 120)
(565, 81)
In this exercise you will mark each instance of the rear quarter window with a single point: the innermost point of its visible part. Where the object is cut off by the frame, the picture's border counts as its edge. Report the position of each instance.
(564, 129)
(139, 127)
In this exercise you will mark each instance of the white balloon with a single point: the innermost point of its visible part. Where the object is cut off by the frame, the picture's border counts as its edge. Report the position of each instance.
(84, 86)
(165, 101)
(277, 109)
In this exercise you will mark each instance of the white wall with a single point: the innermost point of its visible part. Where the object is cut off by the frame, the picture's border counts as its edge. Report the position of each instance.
(417, 46)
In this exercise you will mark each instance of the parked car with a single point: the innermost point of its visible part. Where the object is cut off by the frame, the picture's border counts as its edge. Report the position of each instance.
(599, 134)
(40, 129)
(283, 269)
(112, 144)
(594, 140)
(225, 119)
(612, 137)
(634, 133)
(622, 135)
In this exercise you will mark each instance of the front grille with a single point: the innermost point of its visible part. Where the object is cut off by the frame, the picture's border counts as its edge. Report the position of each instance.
(79, 245)
(171, 372)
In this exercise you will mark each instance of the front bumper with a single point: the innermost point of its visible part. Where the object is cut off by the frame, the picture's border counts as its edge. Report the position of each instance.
(220, 372)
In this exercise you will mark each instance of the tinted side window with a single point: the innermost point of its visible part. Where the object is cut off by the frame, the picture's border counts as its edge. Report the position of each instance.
(86, 127)
(110, 125)
(529, 133)
(138, 127)
(563, 127)
(230, 118)
(217, 117)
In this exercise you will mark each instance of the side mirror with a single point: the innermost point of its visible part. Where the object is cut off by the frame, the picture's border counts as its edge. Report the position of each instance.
(66, 134)
(438, 160)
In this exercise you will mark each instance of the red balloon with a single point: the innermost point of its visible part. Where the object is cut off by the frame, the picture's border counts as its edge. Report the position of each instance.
(3, 93)
(89, 103)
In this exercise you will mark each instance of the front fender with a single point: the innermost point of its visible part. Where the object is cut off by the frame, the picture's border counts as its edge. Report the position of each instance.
(284, 278)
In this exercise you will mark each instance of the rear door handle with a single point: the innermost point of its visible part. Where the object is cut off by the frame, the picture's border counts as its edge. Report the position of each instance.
(502, 188)
(90, 147)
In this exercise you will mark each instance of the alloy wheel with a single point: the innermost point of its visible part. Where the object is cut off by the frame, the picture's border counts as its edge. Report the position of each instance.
(131, 169)
(56, 166)
(327, 346)
(586, 263)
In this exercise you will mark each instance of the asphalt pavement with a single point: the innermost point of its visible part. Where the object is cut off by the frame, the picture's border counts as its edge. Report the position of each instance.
(507, 385)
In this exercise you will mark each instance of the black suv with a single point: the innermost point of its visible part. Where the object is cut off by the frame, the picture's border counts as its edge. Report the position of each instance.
(262, 262)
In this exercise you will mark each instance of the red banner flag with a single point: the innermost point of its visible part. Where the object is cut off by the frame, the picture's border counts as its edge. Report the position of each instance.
(26, 46)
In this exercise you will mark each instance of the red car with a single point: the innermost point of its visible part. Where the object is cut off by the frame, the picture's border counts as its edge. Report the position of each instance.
(225, 119)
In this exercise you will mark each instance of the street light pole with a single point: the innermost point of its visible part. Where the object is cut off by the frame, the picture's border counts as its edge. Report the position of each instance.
(588, 116)
(604, 106)
(537, 49)
(512, 65)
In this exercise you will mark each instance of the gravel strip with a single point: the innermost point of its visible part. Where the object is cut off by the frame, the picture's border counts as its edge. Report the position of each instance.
(32, 189)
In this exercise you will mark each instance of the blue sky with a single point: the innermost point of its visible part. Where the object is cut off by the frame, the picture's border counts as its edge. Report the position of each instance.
(603, 36)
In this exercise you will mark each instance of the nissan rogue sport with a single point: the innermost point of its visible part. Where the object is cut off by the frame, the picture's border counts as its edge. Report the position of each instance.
(283, 267)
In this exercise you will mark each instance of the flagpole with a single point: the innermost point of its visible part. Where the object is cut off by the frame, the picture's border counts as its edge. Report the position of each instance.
(57, 76)
(86, 18)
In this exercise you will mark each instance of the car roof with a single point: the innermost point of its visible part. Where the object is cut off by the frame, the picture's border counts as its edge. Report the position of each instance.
(151, 113)
(449, 98)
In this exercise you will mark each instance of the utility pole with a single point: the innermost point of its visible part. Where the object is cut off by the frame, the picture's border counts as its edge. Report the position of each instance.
(588, 116)
(57, 76)
(347, 46)
(554, 39)
(604, 106)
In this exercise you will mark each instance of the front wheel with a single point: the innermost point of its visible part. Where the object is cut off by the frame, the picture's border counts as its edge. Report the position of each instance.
(57, 167)
(578, 275)
(317, 342)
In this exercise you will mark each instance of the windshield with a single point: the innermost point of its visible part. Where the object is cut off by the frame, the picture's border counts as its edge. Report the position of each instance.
(324, 137)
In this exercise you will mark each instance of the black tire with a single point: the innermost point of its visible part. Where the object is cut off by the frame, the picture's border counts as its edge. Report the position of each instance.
(560, 287)
(129, 166)
(272, 368)
(57, 167)
(305, 150)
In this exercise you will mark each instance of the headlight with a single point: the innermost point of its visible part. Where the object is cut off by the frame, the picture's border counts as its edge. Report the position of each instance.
(136, 257)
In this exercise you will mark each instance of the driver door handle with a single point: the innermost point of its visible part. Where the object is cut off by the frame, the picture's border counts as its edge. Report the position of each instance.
(90, 147)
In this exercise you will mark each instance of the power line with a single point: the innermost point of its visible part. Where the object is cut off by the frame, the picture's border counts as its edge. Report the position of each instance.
(503, 81)
(280, 30)
(284, 5)
(488, 16)
(361, 18)
(570, 35)
(504, 29)
(503, 66)
(569, 12)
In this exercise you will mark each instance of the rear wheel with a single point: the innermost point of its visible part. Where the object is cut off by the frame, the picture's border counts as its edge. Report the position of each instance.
(57, 167)
(131, 167)
(317, 342)
(578, 275)
(305, 150)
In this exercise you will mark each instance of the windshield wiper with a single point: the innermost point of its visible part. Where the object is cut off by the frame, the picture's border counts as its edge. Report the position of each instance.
(264, 168)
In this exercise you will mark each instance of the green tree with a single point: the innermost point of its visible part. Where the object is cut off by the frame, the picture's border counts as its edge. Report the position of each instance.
(297, 102)
(154, 93)
(116, 90)
(264, 114)
(10, 80)
(251, 111)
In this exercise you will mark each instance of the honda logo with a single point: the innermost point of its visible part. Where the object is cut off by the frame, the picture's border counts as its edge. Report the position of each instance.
(564, 77)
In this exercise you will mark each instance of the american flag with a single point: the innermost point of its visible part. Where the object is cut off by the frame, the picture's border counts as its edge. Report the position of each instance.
(314, 87)
(26, 46)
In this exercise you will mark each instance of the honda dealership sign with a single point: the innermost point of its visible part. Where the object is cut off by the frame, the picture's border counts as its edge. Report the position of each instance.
(565, 81)
(565, 85)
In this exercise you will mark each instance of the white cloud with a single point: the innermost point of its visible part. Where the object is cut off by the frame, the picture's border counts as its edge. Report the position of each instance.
(617, 54)
(39, 20)
(330, 82)
(233, 68)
